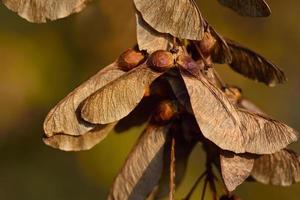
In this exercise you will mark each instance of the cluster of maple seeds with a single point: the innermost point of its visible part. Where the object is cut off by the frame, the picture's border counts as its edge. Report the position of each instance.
(169, 82)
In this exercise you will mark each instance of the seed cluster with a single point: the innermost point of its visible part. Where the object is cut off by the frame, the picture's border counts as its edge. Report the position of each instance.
(169, 83)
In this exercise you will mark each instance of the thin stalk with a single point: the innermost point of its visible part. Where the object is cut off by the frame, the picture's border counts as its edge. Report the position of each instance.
(204, 189)
(188, 196)
(172, 171)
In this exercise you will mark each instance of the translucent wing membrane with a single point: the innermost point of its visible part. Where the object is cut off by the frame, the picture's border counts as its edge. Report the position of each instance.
(230, 128)
(251, 8)
(64, 117)
(118, 98)
(181, 19)
(143, 167)
(235, 168)
(149, 39)
(39, 11)
(254, 66)
(281, 168)
(80, 142)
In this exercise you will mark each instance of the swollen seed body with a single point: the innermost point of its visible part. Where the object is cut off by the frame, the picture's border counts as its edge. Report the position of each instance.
(207, 44)
(187, 63)
(161, 60)
(130, 59)
(165, 111)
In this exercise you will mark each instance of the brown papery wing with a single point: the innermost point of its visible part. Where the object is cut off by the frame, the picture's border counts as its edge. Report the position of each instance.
(254, 66)
(39, 11)
(216, 116)
(222, 53)
(149, 39)
(264, 135)
(235, 168)
(251, 8)
(250, 106)
(143, 167)
(118, 98)
(81, 142)
(64, 119)
(181, 19)
(281, 168)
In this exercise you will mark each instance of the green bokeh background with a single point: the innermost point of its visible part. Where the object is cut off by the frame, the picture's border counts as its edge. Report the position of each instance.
(41, 63)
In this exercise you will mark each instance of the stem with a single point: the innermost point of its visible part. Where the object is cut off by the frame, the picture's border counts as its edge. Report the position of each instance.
(201, 55)
(172, 171)
(219, 79)
(204, 189)
(188, 196)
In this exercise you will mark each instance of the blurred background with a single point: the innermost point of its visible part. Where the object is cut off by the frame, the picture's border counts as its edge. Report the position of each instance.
(42, 63)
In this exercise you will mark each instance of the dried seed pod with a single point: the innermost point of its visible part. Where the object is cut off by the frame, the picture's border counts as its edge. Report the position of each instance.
(130, 59)
(234, 94)
(207, 44)
(161, 60)
(165, 111)
(187, 63)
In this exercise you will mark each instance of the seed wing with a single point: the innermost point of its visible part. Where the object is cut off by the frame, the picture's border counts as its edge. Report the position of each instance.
(81, 142)
(181, 19)
(235, 168)
(254, 66)
(281, 168)
(149, 39)
(39, 11)
(118, 98)
(64, 119)
(251, 8)
(143, 167)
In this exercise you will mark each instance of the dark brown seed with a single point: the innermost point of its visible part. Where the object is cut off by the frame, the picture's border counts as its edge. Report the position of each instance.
(130, 59)
(161, 60)
(233, 94)
(165, 111)
(187, 63)
(207, 44)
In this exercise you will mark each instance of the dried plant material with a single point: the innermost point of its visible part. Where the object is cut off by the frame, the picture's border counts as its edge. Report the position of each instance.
(216, 116)
(235, 168)
(248, 105)
(251, 8)
(149, 39)
(234, 94)
(39, 11)
(222, 53)
(183, 149)
(281, 168)
(130, 59)
(230, 128)
(264, 135)
(181, 19)
(161, 60)
(143, 167)
(118, 98)
(81, 142)
(254, 66)
(63, 118)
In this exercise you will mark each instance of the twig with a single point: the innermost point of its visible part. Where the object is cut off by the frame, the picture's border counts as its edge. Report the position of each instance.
(188, 196)
(172, 171)
(204, 189)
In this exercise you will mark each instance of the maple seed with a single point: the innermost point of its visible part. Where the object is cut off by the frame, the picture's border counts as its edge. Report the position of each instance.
(165, 111)
(188, 63)
(161, 60)
(233, 94)
(207, 44)
(130, 59)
